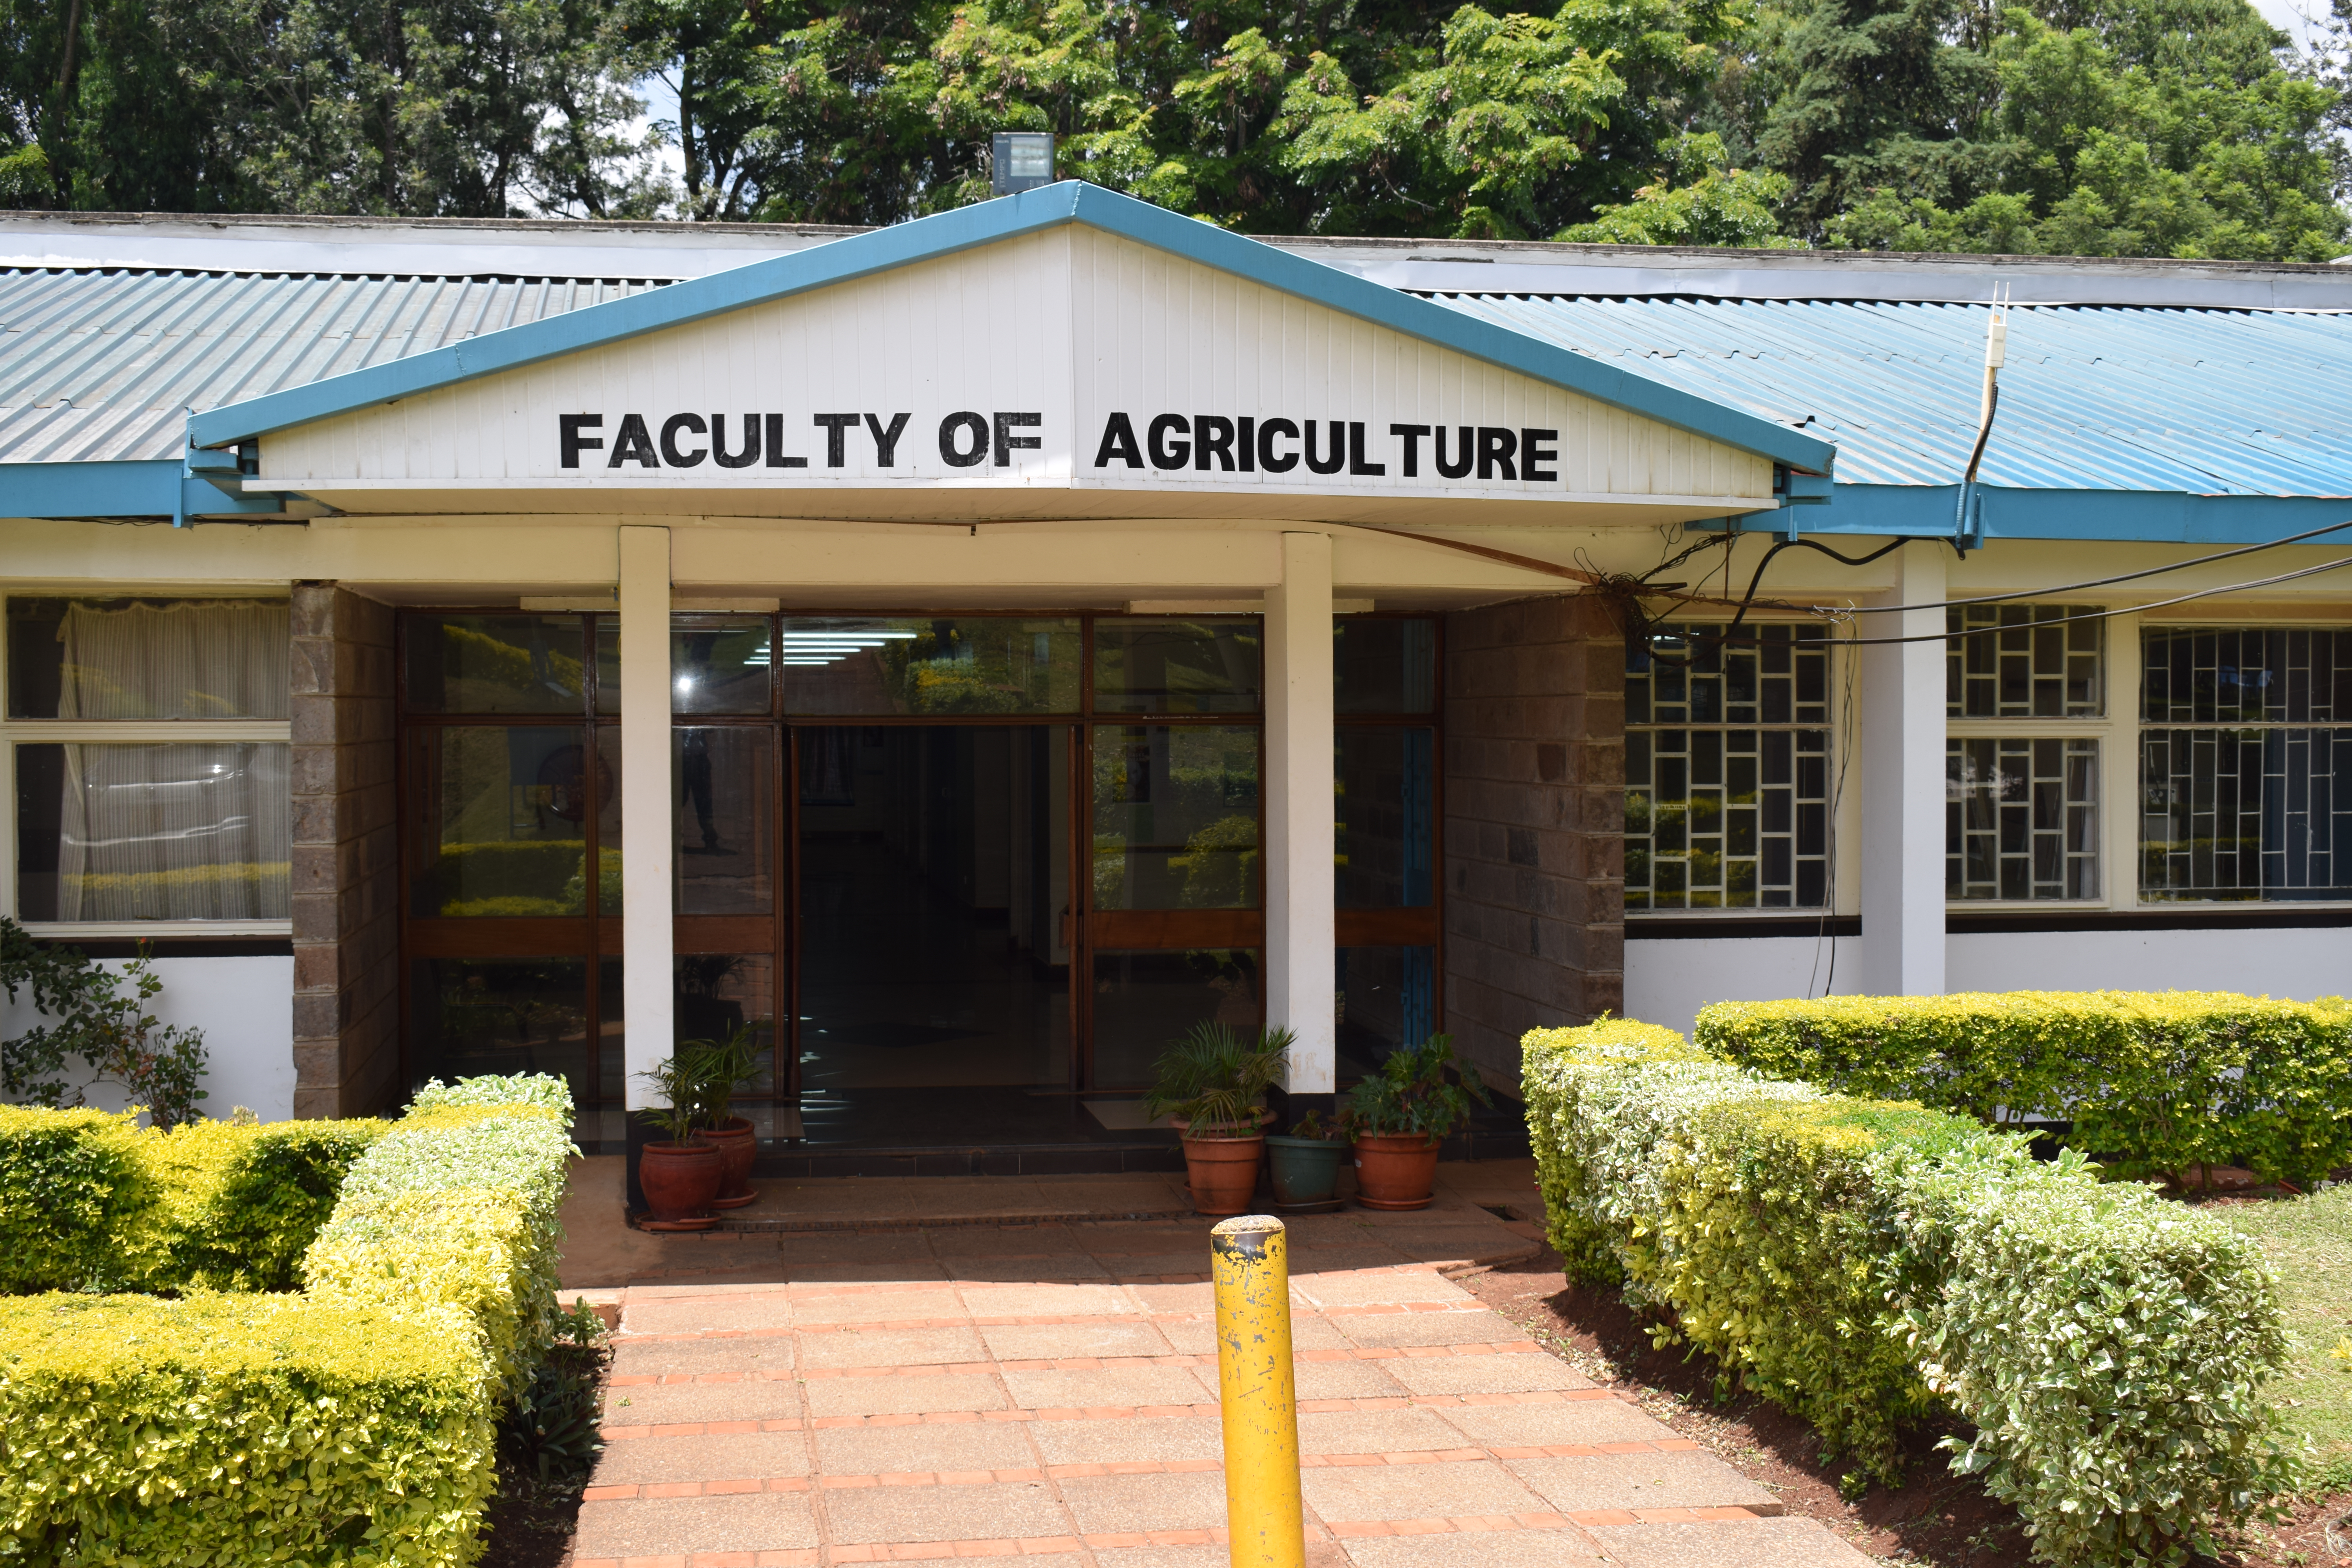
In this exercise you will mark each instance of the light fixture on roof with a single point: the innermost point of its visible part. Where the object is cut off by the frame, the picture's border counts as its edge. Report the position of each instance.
(1020, 160)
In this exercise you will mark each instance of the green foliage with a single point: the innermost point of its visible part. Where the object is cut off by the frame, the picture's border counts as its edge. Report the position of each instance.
(234, 1207)
(72, 1181)
(1715, 205)
(2166, 1080)
(677, 1084)
(718, 1069)
(545, 1091)
(1856, 1261)
(1215, 1079)
(552, 1429)
(1413, 1093)
(92, 1021)
(2308, 1242)
(239, 1430)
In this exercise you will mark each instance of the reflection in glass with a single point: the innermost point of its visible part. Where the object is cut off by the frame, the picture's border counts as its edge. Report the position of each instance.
(494, 664)
(470, 1016)
(724, 797)
(611, 1037)
(502, 821)
(719, 664)
(1387, 840)
(1387, 1000)
(608, 664)
(1383, 665)
(1144, 1000)
(169, 831)
(1176, 816)
(147, 658)
(1144, 666)
(881, 666)
(720, 993)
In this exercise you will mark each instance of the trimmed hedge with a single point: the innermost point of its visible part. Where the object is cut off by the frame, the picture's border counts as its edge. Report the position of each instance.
(1859, 1262)
(2165, 1079)
(71, 1182)
(352, 1424)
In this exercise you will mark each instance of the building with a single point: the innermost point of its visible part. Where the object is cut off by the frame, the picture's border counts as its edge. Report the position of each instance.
(465, 647)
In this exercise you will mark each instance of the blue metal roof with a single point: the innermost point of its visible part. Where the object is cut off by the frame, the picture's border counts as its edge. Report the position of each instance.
(2195, 402)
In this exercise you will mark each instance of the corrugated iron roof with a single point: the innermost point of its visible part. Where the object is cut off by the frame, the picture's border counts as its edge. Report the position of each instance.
(2111, 398)
(104, 364)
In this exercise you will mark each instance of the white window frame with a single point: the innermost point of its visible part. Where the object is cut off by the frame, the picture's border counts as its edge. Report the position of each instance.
(15, 732)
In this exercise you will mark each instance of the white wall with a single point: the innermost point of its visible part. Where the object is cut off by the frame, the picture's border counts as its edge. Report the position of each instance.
(245, 1007)
(1668, 982)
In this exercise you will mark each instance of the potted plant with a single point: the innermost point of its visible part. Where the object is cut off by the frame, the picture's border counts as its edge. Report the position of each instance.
(681, 1177)
(1398, 1118)
(1214, 1081)
(1305, 1167)
(720, 1068)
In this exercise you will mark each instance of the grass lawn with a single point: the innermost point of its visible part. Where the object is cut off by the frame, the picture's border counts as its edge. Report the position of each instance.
(2309, 1241)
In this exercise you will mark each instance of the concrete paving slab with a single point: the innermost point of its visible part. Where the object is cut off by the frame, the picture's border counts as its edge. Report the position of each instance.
(670, 1527)
(1588, 1482)
(1378, 1288)
(917, 1394)
(1154, 1439)
(1357, 1494)
(1753, 1543)
(1333, 1380)
(924, 1448)
(878, 1307)
(1391, 1330)
(1055, 1341)
(1308, 1331)
(1047, 1301)
(669, 1403)
(853, 1347)
(706, 1314)
(1161, 1557)
(1027, 1270)
(1003, 1511)
(1541, 1426)
(1477, 1549)
(1405, 1431)
(1198, 1296)
(1003, 1241)
(731, 1456)
(1526, 1372)
(1127, 1505)
(747, 1354)
(914, 1271)
(1091, 1390)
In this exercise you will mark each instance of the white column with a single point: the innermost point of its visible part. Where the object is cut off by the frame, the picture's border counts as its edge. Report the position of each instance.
(646, 808)
(1301, 837)
(1902, 746)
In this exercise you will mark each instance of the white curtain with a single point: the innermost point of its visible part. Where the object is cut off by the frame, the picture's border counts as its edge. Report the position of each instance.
(199, 658)
(174, 830)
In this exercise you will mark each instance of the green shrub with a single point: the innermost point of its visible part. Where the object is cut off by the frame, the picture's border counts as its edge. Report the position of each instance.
(234, 1207)
(71, 1185)
(1855, 1261)
(2168, 1079)
(232, 1429)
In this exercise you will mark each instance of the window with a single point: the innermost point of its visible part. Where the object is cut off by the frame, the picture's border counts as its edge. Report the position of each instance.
(149, 744)
(2021, 795)
(2245, 732)
(1727, 770)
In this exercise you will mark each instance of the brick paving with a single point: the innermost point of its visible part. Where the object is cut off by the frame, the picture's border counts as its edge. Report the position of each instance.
(1050, 1392)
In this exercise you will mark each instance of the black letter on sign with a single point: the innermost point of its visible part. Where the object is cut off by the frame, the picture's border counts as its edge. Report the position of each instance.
(1469, 442)
(835, 453)
(1007, 443)
(955, 456)
(634, 443)
(1338, 448)
(1495, 449)
(1164, 456)
(750, 452)
(1118, 441)
(776, 459)
(1411, 435)
(1356, 464)
(1245, 443)
(1267, 458)
(575, 443)
(670, 427)
(886, 442)
(1535, 446)
(1212, 437)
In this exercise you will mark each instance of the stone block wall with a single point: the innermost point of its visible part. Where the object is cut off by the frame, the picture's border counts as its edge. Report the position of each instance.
(346, 858)
(1535, 809)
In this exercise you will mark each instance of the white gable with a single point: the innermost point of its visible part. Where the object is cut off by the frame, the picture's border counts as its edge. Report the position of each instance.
(1068, 359)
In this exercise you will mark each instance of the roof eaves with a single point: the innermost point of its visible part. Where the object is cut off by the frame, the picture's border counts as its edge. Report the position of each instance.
(879, 250)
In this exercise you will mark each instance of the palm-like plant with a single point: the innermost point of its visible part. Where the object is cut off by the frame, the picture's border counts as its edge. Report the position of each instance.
(677, 1081)
(1214, 1079)
(720, 1068)
(1411, 1094)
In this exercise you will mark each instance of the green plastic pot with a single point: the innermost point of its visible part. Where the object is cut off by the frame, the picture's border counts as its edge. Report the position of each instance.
(1305, 1170)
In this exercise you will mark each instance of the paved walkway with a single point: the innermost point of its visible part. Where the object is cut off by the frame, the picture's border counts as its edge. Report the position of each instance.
(1049, 1392)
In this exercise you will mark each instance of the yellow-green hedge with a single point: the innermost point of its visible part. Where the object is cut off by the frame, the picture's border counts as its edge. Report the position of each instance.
(2165, 1079)
(1858, 1261)
(351, 1424)
(71, 1185)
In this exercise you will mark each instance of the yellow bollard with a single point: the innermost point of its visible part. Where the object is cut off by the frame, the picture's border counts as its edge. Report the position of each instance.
(1257, 1393)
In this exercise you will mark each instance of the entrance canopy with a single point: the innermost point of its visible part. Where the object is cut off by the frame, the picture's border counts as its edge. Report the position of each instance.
(1065, 354)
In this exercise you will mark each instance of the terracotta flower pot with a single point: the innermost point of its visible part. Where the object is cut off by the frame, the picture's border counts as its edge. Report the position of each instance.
(679, 1179)
(1224, 1173)
(738, 1146)
(1395, 1170)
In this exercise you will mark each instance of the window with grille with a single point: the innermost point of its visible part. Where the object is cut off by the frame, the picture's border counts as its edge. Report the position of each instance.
(2245, 733)
(1728, 770)
(2021, 803)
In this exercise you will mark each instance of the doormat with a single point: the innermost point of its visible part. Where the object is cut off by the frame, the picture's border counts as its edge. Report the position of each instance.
(1122, 1115)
